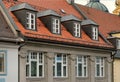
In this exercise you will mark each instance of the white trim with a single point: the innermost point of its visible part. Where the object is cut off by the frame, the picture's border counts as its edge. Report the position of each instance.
(95, 33)
(84, 62)
(101, 62)
(62, 65)
(30, 19)
(77, 29)
(36, 58)
(56, 26)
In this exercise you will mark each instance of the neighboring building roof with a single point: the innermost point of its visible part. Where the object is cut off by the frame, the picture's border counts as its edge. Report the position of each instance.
(96, 4)
(43, 33)
(8, 28)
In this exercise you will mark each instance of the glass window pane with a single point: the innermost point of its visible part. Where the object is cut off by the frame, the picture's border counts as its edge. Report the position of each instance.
(64, 71)
(79, 69)
(33, 68)
(59, 69)
(53, 70)
(1, 62)
(85, 73)
(59, 57)
(98, 70)
(27, 70)
(40, 70)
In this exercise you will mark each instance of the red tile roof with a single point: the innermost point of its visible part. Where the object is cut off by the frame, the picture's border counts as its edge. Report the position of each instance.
(43, 33)
(107, 22)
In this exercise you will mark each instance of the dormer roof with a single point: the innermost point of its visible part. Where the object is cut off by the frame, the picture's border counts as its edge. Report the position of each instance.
(88, 22)
(47, 13)
(22, 6)
(69, 17)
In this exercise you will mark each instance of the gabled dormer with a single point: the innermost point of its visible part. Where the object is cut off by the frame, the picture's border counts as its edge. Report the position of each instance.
(51, 20)
(26, 15)
(72, 24)
(90, 28)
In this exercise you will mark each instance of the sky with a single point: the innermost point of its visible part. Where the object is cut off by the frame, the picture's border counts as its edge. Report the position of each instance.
(110, 4)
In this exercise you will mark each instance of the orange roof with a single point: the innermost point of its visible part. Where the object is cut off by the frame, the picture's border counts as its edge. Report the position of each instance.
(43, 33)
(107, 22)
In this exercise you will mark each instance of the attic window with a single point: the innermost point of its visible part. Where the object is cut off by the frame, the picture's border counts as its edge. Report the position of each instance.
(30, 21)
(56, 26)
(76, 29)
(95, 33)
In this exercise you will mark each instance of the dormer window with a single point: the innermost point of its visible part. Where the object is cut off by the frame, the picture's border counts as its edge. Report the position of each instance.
(56, 26)
(95, 33)
(77, 29)
(28, 13)
(30, 21)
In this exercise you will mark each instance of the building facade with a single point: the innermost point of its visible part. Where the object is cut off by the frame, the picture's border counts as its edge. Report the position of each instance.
(9, 44)
(62, 44)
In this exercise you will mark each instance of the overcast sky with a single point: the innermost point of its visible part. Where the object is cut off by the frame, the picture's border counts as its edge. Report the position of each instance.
(110, 4)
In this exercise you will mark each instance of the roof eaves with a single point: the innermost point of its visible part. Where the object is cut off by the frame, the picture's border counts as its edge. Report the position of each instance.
(47, 12)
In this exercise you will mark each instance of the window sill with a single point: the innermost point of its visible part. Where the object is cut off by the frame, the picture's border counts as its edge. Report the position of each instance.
(82, 77)
(60, 77)
(3, 74)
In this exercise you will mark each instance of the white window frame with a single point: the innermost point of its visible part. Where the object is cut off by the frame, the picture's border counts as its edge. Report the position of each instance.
(83, 60)
(39, 59)
(56, 25)
(100, 61)
(4, 62)
(63, 64)
(30, 25)
(77, 30)
(95, 33)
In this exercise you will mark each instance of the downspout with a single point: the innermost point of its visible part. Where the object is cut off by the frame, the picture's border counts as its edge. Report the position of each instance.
(21, 45)
(112, 56)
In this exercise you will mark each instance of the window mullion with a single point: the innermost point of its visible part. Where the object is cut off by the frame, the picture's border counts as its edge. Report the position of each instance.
(62, 65)
(30, 64)
(38, 64)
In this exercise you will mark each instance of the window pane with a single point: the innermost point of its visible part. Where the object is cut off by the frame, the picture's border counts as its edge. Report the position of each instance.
(64, 71)
(53, 70)
(85, 71)
(102, 72)
(80, 69)
(33, 68)
(98, 70)
(40, 70)
(59, 69)
(27, 70)
(1, 62)
(59, 57)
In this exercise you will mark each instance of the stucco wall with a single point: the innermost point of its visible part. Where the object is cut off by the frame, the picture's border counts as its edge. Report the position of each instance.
(117, 70)
(11, 74)
(73, 52)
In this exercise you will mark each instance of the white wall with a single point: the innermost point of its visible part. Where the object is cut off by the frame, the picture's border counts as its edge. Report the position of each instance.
(12, 63)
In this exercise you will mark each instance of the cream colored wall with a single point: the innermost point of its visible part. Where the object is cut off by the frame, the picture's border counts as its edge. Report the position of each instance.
(116, 35)
(117, 70)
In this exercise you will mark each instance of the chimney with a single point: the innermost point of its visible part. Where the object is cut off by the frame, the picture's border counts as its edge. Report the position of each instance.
(70, 1)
